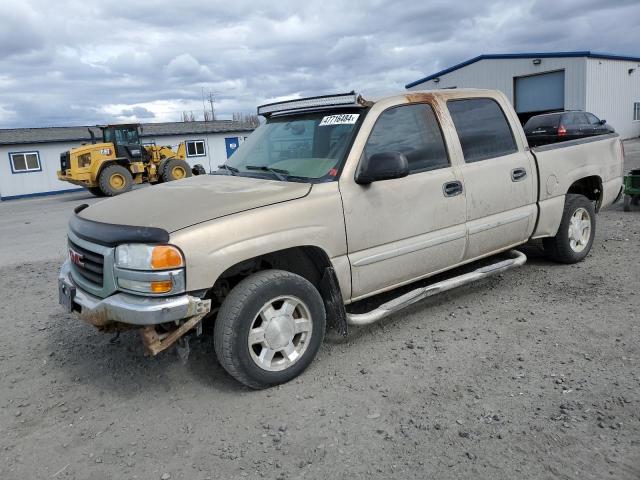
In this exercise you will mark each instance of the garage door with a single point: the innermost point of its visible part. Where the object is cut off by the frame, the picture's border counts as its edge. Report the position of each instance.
(539, 93)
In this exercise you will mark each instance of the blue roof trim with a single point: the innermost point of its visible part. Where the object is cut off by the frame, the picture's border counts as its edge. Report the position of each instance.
(498, 56)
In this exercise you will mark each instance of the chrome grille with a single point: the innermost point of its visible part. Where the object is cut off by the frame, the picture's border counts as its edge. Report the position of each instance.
(89, 265)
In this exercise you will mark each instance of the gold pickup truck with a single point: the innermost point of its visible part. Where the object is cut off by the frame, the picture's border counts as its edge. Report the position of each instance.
(332, 200)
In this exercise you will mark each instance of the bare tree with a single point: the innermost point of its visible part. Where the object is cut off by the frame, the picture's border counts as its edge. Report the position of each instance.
(188, 116)
(207, 116)
(250, 120)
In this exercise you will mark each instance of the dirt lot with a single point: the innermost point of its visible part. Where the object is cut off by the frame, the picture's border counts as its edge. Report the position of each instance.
(532, 374)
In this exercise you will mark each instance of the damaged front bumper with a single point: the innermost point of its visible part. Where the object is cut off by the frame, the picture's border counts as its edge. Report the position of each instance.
(123, 311)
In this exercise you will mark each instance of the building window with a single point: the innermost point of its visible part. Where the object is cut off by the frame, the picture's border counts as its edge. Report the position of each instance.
(636, 111)
(195, 148)
(22, 162)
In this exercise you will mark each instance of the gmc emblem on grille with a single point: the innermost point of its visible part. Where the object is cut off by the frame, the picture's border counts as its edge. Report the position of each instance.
(76, 257)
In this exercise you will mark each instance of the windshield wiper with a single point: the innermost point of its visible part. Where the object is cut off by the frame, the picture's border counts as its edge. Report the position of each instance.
(277, 172)
(232, 170)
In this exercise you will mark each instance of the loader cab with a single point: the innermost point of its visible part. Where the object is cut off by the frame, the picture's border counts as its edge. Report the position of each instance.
(125, 139)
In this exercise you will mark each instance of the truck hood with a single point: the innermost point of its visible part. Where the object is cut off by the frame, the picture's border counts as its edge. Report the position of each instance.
(182, 203)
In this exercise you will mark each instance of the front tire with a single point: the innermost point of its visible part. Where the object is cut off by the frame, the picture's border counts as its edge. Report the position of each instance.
(114, 180)
(269, 328)
(577, 230)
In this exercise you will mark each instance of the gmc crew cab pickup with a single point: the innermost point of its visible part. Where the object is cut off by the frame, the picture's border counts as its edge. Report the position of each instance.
(332, 200)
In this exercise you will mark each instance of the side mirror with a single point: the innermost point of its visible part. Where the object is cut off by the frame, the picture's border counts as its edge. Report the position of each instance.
(382, 166)
(602, 122)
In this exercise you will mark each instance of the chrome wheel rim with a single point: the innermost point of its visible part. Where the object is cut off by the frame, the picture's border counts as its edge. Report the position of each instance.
(280, 333)
(579, 230)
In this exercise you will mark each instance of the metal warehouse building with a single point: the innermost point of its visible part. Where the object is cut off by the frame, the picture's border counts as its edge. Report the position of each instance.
(606, 85)
(32, 155)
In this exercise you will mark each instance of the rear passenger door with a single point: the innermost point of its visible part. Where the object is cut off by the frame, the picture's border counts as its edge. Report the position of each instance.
(406, 228)
(498, 177)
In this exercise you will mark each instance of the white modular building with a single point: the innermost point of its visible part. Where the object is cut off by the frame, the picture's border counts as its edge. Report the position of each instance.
(603, 84)
(30, 157)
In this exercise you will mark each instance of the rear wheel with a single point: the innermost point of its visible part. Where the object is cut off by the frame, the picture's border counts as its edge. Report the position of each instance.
(175, 170)
(269, 328)
(114, 180)
(575, 235)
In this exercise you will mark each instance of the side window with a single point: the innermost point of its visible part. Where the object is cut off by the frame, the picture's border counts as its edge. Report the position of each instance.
(573, 119)
(483, 129)
(412, 130)
(593, 120)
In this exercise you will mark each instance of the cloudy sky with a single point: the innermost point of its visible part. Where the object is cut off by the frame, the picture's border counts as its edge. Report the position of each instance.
(86, 62)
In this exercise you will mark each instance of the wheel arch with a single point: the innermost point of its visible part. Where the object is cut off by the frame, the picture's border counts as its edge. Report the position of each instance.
(309, 261)
(590, 187)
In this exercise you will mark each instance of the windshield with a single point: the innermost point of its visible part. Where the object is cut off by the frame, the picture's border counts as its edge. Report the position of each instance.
(309, 147)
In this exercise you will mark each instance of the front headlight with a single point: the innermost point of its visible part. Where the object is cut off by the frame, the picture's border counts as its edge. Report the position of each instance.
(150, 269)
(148, 257)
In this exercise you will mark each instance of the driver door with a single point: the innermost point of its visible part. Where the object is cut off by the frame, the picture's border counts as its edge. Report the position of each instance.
(403, 229)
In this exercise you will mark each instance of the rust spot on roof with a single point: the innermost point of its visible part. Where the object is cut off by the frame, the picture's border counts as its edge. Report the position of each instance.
(421, 97)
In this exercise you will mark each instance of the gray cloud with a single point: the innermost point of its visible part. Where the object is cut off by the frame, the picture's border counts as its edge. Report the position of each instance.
(70, 62)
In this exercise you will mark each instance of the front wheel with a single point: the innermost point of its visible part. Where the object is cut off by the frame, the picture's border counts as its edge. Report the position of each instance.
(577, 229)
(269, 328)
(114, 180)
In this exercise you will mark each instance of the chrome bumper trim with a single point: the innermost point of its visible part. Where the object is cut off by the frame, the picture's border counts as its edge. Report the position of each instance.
(132, 309)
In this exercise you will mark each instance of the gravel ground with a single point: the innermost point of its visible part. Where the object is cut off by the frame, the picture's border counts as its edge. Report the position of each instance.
(531, 375)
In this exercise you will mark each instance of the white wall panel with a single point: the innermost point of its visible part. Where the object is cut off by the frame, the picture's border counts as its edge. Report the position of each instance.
(611, 92)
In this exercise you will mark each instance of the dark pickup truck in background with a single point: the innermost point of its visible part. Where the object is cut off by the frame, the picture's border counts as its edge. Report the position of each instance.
(563, 126)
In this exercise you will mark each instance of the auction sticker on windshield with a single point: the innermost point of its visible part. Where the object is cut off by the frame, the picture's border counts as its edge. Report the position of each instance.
(344, 119)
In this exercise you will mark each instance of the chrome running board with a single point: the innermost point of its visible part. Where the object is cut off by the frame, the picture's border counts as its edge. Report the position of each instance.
(392, 306)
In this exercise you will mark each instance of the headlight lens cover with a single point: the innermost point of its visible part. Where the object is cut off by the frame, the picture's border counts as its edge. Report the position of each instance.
(136, 256)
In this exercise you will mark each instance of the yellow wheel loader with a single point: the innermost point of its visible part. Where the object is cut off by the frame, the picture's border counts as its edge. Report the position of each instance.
(112, 167)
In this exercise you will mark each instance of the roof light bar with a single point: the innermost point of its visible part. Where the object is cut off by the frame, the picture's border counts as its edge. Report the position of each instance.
(341, 99)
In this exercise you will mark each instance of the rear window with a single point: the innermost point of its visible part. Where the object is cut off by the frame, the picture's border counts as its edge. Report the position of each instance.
(482, 128)
(542, 121)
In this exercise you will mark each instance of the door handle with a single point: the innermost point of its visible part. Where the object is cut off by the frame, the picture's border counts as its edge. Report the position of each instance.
(518, 174)
(451, 189)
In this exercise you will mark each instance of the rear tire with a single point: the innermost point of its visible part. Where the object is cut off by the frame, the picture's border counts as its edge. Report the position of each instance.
(175, 170)
(114, 180)
(269, 328)
(577, 230)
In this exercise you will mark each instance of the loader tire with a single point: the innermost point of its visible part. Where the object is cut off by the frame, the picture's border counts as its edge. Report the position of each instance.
(574, 238)
(160, 170)
(114, 180)
(175, 170)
